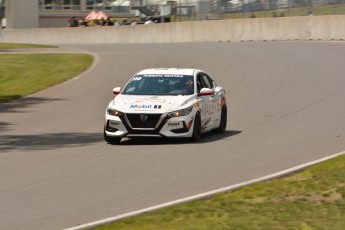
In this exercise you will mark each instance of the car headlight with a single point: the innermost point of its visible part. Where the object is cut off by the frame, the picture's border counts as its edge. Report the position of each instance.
(182, 112)
(113, 112)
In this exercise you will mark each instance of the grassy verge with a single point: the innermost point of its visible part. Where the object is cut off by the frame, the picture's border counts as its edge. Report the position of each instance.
(23, 46)
(23, 74)
(312, 199)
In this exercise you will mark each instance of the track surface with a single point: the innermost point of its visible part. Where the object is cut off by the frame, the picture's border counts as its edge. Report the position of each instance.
(286, 107)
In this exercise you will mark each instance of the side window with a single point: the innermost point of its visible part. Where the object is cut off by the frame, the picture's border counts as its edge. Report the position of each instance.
(206, 82)
(199, 83)
(213, 85)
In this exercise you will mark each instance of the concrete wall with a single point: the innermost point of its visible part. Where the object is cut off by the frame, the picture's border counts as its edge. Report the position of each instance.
(53, 21)
(261, 29)
(21, 14)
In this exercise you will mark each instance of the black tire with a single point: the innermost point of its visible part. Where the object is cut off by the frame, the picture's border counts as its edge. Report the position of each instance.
(112, 140)
(223, 121)
(196, 128)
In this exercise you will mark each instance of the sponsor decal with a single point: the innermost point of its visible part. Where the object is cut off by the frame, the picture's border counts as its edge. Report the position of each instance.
(136, 78)
(162, 75)
(148, 100)
(145, 106)
(174, 124)
(210, 108)
(141, 107)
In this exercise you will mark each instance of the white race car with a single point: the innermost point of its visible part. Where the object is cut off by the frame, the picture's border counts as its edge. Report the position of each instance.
(176, 103)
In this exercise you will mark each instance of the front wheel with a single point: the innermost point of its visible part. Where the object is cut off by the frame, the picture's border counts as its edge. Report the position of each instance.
(196, 128)
(223, 121)
(112, 140)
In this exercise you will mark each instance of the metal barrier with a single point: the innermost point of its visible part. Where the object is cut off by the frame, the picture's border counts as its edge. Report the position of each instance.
(224, 9)
(184, 10)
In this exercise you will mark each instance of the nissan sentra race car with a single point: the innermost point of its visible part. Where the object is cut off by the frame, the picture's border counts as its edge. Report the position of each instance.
(176, 103)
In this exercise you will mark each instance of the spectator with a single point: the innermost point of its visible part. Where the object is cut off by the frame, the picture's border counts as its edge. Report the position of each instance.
(310, 13)
(102, 22)
(109, 22)
(97, 23)
(72, 22)
(82, 23)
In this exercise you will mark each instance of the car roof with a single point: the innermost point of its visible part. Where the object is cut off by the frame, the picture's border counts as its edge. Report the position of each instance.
(183, 71)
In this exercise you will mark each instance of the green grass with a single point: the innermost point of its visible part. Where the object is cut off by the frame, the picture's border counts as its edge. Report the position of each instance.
(23, 46)
(312, 199)
(24, 74)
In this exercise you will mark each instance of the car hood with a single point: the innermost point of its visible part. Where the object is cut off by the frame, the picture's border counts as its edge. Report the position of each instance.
(150, 104)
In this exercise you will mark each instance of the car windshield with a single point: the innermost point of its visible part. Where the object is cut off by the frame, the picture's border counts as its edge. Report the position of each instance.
(160, 84)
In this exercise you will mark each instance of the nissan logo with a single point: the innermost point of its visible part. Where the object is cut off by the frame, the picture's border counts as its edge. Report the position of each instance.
(143, 117)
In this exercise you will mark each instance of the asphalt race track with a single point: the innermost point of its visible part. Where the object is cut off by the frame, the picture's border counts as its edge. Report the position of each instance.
(285, 108)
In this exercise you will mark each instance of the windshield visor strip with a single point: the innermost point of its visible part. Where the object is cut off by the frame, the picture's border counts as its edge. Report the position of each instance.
(160, 84)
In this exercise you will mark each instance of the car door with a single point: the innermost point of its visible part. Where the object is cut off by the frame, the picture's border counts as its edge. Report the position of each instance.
(207, 102)
(214, 109)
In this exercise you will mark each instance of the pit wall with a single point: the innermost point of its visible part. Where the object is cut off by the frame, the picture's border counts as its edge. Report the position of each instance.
(233, 30)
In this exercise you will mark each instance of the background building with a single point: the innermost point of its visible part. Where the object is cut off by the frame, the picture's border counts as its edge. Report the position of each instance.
(21, 14)
(56, 13)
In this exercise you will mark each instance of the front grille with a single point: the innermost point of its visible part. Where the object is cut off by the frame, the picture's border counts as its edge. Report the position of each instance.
(136, 122)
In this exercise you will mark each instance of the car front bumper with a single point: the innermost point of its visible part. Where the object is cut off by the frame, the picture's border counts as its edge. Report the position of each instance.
(162, 125)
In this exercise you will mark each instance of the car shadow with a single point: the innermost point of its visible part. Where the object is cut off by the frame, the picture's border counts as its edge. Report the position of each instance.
(205, 138)
(21, 104)
(46, 141)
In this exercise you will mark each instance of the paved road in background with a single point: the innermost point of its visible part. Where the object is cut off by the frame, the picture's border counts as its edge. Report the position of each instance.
(285, 108)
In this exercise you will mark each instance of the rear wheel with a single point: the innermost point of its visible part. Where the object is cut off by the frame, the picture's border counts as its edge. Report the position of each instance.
(196, 128)
(112, 140)
(223, 121)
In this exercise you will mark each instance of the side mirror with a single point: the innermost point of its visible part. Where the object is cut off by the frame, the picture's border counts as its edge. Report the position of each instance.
(206, 91)
(117, 90)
